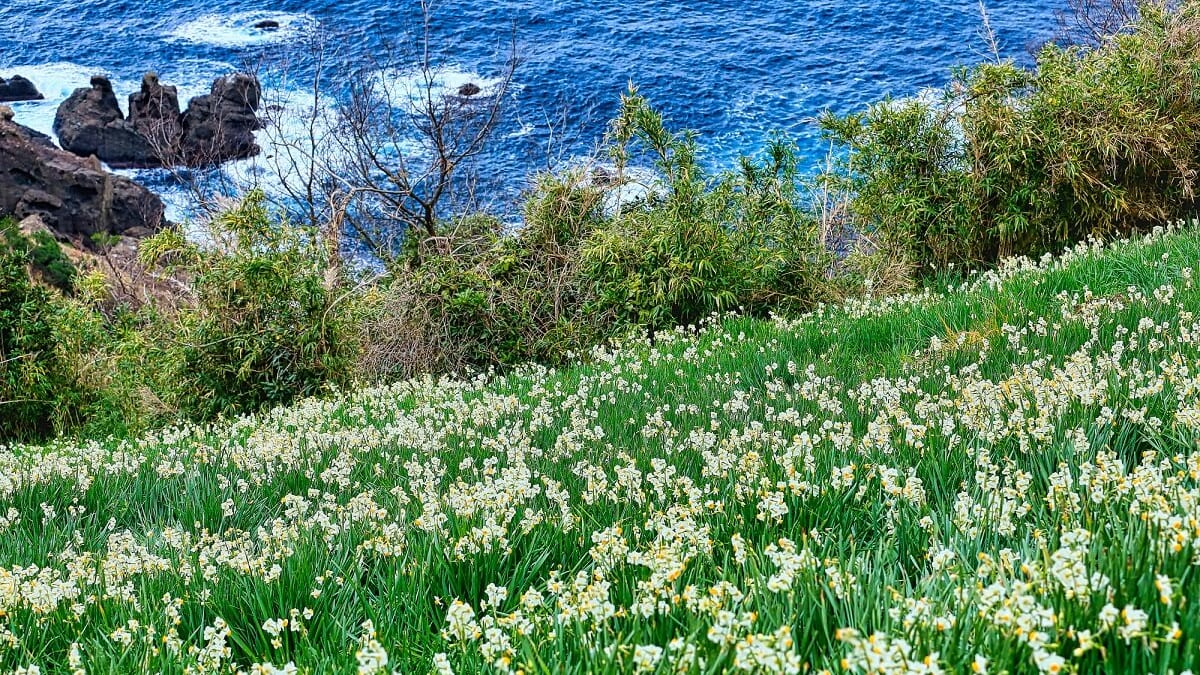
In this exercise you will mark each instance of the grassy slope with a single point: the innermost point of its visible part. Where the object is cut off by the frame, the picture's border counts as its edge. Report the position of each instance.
(879, 482)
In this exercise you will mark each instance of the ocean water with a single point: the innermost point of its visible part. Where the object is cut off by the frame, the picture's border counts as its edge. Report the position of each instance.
(733, 71)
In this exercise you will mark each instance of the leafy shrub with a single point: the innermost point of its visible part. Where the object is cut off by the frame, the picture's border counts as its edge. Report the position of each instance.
(703, 244)
(47, 256)
(486, 298)
(120, 359)
(37, 391)
(43, 254)
(1007, 161)
(268, 321)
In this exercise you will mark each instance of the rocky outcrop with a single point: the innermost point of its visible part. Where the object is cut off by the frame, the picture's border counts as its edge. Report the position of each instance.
(220, 125)
(215, 128)
(17, 88)
(74, 196)
(90, 122)
(154, 114)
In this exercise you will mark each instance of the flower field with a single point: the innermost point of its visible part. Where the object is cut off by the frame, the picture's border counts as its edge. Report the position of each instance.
(1001, 476)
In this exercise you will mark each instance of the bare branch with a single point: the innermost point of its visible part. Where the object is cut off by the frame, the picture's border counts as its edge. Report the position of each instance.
(1091, 22)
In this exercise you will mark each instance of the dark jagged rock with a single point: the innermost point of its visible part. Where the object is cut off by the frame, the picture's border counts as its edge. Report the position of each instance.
(90, 122)
(469, 89)
(154, 113)
(605, 177)
(40, 138)
(215, 128)
(220, 125)
(73, 195)
(17, 88)
(267, 24)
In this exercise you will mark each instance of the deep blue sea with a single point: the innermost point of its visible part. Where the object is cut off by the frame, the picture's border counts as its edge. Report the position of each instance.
(732, 71)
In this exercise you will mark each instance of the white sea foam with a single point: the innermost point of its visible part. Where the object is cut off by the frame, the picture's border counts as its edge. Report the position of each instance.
(296, 134)
(285, 106)
(522, 131)
(238, 30)
(405, 87)
(286, 156)
(57, 81)
(621, 187)
(755, 104)
(193, 77)
(408, 89)
(639, 183)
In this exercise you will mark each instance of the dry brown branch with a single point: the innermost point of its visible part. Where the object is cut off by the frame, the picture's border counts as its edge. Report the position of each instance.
(1091, 22)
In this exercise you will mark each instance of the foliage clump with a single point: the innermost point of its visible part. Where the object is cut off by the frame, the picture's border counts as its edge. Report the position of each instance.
(267, 320)
(700, 243)
(36, 384)
(1009, 161)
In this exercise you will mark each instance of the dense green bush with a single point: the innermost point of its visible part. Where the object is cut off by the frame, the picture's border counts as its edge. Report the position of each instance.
(701, 244)
(1011, 161)
(482, 297)
(37, 388)
(48, 258)
(120, 359)
(268, 320)
(42, 253)
(256, 315)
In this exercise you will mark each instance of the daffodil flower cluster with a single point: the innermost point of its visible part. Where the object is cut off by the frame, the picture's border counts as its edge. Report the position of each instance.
(1002, 476)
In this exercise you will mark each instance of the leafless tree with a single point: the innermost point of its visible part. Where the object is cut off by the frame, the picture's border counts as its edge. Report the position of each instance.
(406, 141)
(384, 159)
(300, 138)
(1091, 22)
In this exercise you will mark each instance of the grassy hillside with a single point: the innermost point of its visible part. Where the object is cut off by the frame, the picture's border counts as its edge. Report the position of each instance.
(1002, 476)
